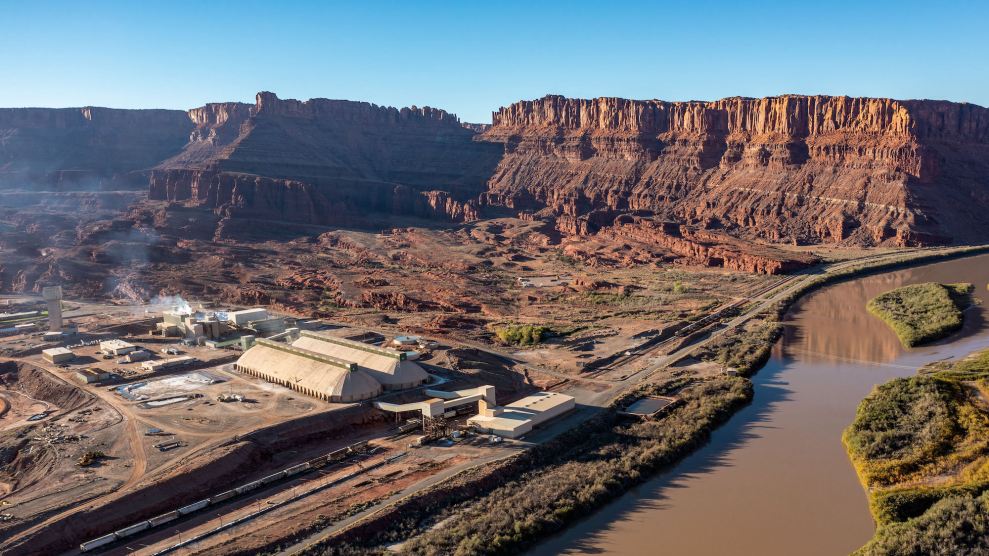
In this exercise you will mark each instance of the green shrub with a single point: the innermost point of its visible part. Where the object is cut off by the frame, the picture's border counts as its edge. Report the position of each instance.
(522, 334)
(920, 446)
(957, 524)
(922, 313)
(745, 350)
(580, 473)
(900, 426)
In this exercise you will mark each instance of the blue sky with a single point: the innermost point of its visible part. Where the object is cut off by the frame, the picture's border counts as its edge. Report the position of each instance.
(471, 57)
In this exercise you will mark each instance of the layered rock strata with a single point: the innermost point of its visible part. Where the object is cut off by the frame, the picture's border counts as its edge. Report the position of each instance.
(791, 168)
(69, 148)
(324, 161)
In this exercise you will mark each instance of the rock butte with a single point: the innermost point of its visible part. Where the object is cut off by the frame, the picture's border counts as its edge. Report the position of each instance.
(693, 177)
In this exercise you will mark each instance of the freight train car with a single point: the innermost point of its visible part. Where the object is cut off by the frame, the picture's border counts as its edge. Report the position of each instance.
(253, 485)
(194, 507)
(222, 496)
(128, 531)
(164, 518)
(296, 469)
(272, 478)
(96, 543)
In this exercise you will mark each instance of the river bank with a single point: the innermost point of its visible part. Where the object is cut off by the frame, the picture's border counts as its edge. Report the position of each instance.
(920, 445)
(776, 479)
(474, 499)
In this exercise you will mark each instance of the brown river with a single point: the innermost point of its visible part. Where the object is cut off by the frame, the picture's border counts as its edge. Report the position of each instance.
(775, 480)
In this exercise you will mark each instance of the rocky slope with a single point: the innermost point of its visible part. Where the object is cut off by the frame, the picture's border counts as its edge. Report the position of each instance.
(86, 147)
(715, 183)
(791, 168)
(327, 162)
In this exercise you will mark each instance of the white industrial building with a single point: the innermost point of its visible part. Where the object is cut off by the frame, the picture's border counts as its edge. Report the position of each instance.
(58, 355)
(511, 421)
(116, 347)
(330, 368)
(518, 418)
(245, 316)
(164, 364)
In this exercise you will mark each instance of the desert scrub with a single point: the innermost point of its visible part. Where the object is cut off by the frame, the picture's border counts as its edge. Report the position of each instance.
(957, 524)
(922, 313)
(582, 474)
(901, 426)
(746, 349)
(921, 447)
(522, 334)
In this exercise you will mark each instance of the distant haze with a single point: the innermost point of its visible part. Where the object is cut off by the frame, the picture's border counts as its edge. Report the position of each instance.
(471, 57)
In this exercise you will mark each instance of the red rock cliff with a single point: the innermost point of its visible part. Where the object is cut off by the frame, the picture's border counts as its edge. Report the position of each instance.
(316, 160)
(86, 146)
(794, 168)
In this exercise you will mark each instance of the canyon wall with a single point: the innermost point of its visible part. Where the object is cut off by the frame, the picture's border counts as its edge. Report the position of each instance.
(86, 147)
(790, 169)
(327, 162)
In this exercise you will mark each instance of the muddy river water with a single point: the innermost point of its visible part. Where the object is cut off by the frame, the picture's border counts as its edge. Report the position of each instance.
(775, 479)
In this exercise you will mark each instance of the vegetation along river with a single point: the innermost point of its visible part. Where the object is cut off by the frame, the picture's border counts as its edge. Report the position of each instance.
(776, 479)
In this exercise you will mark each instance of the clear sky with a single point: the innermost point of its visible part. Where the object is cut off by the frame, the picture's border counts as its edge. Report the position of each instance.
(471, 57)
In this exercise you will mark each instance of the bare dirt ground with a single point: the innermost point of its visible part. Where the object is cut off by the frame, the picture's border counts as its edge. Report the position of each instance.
(38, 468)
(610, 310)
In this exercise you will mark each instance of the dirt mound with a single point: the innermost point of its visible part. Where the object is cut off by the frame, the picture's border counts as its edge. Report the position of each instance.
(40, 385)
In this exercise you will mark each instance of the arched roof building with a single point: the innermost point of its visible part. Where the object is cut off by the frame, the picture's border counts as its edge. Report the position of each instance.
(387, 366)
(330, 368)
(311, 373)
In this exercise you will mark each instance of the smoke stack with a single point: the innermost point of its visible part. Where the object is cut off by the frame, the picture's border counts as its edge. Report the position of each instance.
(53, 295)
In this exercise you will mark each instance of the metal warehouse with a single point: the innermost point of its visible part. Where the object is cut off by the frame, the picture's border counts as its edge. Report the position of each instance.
(331, 369)
(389, 367)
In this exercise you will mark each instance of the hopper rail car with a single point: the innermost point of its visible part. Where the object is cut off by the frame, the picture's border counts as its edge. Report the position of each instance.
(321, 461)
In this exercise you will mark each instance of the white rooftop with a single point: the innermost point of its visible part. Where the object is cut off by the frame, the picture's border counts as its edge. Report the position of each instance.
(518, 418)
(115, 344)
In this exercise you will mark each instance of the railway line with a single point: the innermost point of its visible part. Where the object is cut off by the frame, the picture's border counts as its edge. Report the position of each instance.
(590, 400)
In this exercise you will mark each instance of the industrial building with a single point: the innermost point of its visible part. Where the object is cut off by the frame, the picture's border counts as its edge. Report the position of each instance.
(191, 325)
(442, 402)
(136, 356)
(53, 296)
(518, 418)
(116, 347)
(312, 373)
(164, 364)
(89, 376)
(511, 421)
(390, 368)
(215, 326)
(58, 355)
(331, 369)
(246, 316)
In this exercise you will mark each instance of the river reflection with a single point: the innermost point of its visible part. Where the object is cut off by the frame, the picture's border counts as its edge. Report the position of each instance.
(775, 479)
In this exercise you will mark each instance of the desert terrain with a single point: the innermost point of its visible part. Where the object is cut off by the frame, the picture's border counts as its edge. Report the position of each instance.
(606, 251)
